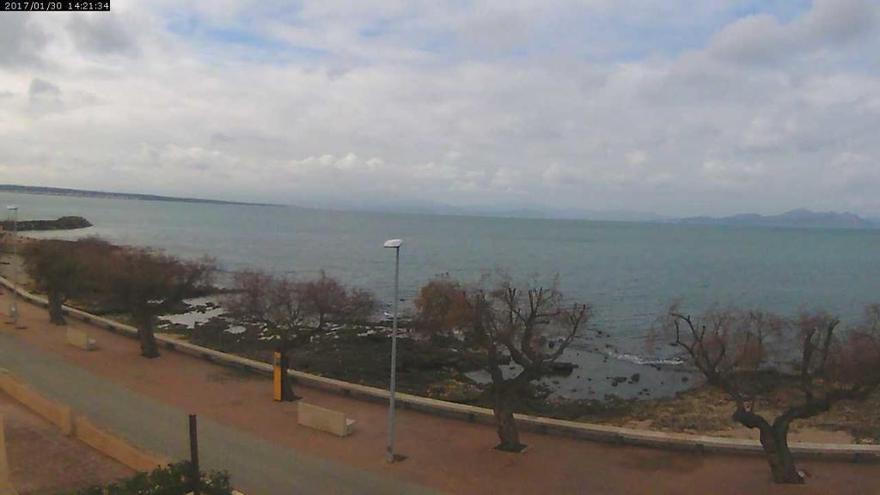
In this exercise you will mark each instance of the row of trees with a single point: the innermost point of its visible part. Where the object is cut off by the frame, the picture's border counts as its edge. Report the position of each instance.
(146, 284)
(138, 281)
(802, 365)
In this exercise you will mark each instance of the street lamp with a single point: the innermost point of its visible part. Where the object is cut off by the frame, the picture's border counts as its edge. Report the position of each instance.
(13, 306)
(389, 450)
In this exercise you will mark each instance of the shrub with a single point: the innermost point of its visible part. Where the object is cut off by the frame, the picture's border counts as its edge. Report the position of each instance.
(173, 479)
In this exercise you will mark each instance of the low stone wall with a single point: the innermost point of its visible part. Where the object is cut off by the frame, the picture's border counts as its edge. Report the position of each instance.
(550, 426)
(115, 447)
(57, 414)
(5, 485)
(81, 428)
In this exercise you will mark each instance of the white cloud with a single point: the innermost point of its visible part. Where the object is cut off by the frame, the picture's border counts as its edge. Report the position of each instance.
(510, 103)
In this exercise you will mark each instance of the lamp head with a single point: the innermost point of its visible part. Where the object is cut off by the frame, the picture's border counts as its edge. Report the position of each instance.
(393, 243)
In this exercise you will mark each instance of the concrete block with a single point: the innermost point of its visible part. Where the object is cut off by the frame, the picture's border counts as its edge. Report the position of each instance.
(324, 419)
(79, 338)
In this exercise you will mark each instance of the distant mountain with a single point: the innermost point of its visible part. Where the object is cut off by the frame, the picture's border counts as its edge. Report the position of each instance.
(502, 211)
(59, 191)
(794, 218)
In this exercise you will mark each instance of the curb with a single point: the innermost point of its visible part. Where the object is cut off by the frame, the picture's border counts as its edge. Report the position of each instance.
(550, 426)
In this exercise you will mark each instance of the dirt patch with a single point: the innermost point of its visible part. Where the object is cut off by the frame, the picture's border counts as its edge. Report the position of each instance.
(707, 411)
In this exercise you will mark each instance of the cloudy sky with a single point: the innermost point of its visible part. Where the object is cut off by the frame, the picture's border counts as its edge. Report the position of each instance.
(670, 106)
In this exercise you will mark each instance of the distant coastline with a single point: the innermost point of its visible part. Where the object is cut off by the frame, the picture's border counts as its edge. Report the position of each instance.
(84, 193)
(795, 218)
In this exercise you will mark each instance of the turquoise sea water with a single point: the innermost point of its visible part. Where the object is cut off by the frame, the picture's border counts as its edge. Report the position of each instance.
(628, 271)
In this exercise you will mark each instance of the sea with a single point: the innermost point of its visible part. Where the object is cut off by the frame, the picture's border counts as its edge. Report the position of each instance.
(628, 272)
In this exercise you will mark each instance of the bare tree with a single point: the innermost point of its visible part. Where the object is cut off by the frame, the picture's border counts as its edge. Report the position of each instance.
(441, 306)
(325, 296)
(360, 305)
(148, 283)
(326, 299)
(804, 364)
(278, 304)
(61, 269)
(507, 321)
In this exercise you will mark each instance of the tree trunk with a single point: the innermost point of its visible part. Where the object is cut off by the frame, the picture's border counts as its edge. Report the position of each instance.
(146, 335)
(56, 311)
(508, 432)
(774, 441)
(287, 394)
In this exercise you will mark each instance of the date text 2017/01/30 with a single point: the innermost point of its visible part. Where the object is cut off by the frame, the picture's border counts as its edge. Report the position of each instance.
(54, 6)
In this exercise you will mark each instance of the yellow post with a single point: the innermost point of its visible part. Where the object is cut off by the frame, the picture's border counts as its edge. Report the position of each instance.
(276, 376)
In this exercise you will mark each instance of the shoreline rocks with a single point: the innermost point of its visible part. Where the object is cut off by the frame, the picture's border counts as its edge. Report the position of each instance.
(63, 223)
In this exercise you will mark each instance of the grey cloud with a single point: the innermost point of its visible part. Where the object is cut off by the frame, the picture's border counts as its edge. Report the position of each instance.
(41, 88)
(762, 39)
(44, 97)
(21, 41)
(102, 35)
(840, 21)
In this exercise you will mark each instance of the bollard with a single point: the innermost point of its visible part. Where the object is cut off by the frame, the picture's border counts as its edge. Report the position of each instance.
(194, 454)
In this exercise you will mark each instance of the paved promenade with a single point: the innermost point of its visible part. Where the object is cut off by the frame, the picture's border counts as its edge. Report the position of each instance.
(266, 452)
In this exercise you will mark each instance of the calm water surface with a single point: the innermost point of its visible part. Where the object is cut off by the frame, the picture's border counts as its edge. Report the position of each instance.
(628, 271)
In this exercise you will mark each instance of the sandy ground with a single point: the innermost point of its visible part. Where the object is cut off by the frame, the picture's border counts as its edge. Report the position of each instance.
(707, 411)
(450, 455)
(43, 461)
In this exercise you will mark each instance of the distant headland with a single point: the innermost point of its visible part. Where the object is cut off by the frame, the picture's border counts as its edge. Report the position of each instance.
(60, 191)
(793, 218)
(63, 223)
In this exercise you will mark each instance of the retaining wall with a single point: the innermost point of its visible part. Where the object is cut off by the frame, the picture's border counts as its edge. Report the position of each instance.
(115, 447)
(80, 427)
(572, 429)
(57, 414)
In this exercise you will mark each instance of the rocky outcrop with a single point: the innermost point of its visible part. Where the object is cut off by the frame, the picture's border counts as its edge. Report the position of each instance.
(63, 223)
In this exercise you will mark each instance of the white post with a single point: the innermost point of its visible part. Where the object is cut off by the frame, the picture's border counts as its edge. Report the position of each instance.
(389, 451)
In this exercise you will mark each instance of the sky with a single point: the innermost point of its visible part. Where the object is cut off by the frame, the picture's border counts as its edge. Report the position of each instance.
(668, 106)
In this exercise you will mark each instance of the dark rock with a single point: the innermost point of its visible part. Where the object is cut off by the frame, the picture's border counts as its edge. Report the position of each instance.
(63, 223)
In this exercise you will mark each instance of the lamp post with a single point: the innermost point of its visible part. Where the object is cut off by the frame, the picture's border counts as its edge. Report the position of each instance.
(13, 305)
(389, 450)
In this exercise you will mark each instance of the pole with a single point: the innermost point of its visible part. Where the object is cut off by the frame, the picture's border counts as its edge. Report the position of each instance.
(13, 306)
(390, 449)
(194, 453)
